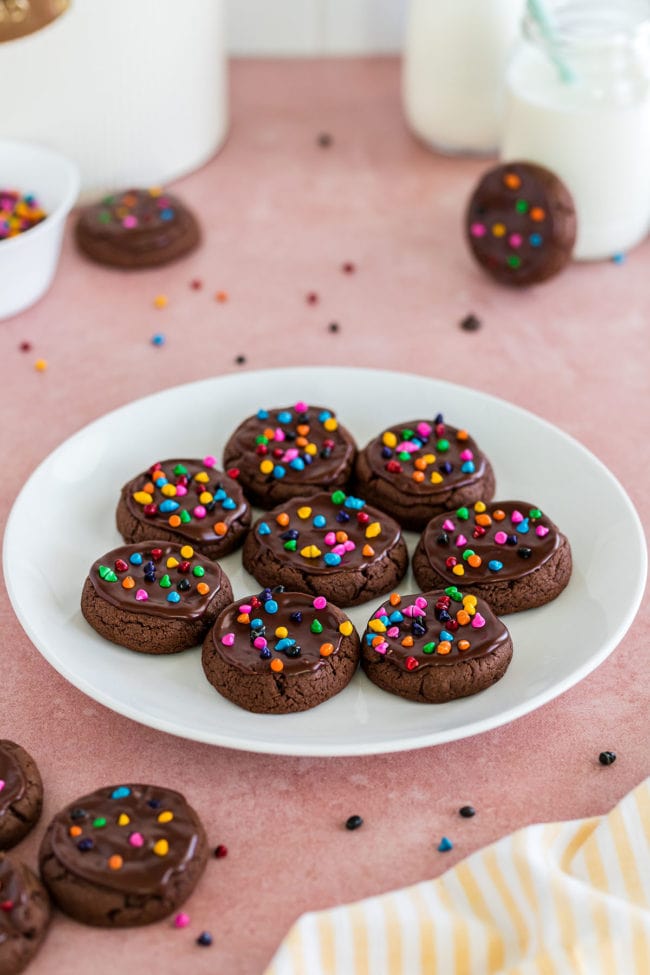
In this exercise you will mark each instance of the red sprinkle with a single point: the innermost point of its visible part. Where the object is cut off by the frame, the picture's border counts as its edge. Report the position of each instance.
(150, 510)
(121, 565)
(312, 298)
(411, 663)
(363, 517)
(348, 267)
(394, 467)
(478, 532)
(7, 906)
(156, 554)
(233, 472)
(221, 851)
(25, 346)
(184, 567)
(196, 284)
(451, 562)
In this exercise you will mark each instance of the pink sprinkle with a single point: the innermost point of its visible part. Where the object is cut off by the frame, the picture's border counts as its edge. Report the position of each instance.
(2, 784)
(339, 550)
(130, 221)
(349, 545)
(392, 632)
(259, 642)
(477, 230)
(408, 610)
(461, 540)
(279, 434)
(228, 639)
(136, 839)
(477, 621)
(181, 920)
(330, 538)
(245, 608)
(209, 461)
(407, 446)
(418, 611)
(466, 455)
(301, 407)
(541, 530)
(448, 526)
(515, 240)
(501, 538)
(290, 454)
(516, 517)
(320, 602)
(181, 490)
(199, 511)
(381, 647)
(424, 429)
(141, 595)
(381, 612)
(421, 602)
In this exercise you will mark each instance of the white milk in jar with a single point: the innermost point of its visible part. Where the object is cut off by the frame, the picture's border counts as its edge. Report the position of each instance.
(454, 65)
(591, 128)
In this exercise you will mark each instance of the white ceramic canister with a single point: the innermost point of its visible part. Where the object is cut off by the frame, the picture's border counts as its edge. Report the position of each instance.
(579, 104)
(135, 91)
(453, 73)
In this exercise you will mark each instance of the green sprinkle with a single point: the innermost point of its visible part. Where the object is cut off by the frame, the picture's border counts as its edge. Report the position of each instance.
(521, 206)
(104, 216)
(198, 571)
(462, 513)
(99, 822)
(442, 446)
(180, 469)
(513, 261)
(468, 552)
(185, 517)
(428, 648)
(338, 497)
(534, 513)
(454, 593)
(291, 545)
(261, 439)
(316, 627)
(107, 574)
(407, 434)
(165, 582)
(403, 455)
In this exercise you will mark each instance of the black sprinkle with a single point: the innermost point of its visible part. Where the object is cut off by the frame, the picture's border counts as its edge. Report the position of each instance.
(524, 552)
(324, 140)
(240, 360)
(607, 758)
(467, 812)
(353, 822)
(333, 327)
(78, 814)
(471, 323)
(204, 939)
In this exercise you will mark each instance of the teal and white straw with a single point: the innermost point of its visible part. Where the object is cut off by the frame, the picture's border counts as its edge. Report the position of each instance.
(540, 14)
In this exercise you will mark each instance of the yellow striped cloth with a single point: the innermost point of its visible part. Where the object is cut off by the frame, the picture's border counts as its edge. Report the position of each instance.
(551, 899)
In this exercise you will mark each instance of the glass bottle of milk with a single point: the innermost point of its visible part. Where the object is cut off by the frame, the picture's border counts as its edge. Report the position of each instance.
(453, 71)
(579, 103)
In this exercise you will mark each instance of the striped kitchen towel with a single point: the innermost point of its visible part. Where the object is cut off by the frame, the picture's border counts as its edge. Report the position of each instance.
(551, 899)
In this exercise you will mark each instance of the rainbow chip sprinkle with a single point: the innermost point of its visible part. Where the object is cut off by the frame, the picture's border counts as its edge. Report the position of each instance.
(18, 213)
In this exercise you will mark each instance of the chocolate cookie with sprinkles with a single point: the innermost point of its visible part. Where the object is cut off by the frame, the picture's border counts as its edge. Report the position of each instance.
(508, 552)
(279, 652)
(420, 468)
(290, 452)
(435, 646)
(154, 598)
(186, 501)
(332, 545)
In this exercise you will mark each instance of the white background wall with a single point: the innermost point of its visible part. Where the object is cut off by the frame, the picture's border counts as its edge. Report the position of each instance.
(315, 27)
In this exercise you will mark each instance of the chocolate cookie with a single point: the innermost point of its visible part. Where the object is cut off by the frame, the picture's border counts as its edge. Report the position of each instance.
(24, 915)
(521, 223)
(435, 646)
(290, 452)
(155, 599)
(21, 793)
(137, 228)
(417, 469)
(507, 552)
(185, 501)
(328, 545)
(124, 855)
(279, 652)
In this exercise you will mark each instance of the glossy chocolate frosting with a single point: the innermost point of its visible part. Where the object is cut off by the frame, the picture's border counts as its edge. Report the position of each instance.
(449, 619)
(184, 578)
(302, 444)
(151, 832)
(430, 448)
(310, 624)
(138, 220)
(17, 884)
(372, 533)
(510, 538)
(12, 778)
(203, 498)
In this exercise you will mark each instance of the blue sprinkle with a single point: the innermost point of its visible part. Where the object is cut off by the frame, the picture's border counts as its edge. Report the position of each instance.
(169, 505)
(85, 844)
(158, 339)
(383, 619)
(535, 240)
(229, 504)
(173, 598)
(386, 452)
(319, 521)
(445, 635)
(307, 459)
(523, 527)
(444, 845)
(136, 559)
(121, 793)
(325, 415)
(265, 653)
(355, 503)
(257, 624)
(263, 529)
(417, 442)
(271, 606)
(618, 258)
(297, 464)
(370, 637)
(446, 468)
(396, 617)
(331, 558)
(494, 565)
(468, 467)
(284, 417)
(342, 517)
(167, 214)
(161, 481)
(279, 472)
(219, 495)
(262, 414)
(284, 644)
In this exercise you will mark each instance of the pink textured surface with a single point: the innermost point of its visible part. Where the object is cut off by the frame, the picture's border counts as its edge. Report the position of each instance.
(280, 216)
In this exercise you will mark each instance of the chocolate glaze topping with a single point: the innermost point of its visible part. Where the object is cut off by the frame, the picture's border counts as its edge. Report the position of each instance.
(436, 626)
(511, 539)
(17, 884)
(445, 457)
(152, 833)
(155, 559)
(294, 532)
(204, 496)
(139, 220)
(309, 626)
(12, 778)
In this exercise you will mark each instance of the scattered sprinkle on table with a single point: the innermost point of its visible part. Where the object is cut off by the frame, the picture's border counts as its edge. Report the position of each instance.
(353, 822)
(467, 812)
(240, 360)
(221, 296)
(25, 346)
(618, 258)
(196, 284)
(444, 845)
(311, 298)
(181, 920)
(607, 758)
(348, 267)
(221, 851)
(158, 339)
(160, 301)
(40, 365)
(204, 939)
(470, 323)
(18, 213)
(333, 327)
(324, 140)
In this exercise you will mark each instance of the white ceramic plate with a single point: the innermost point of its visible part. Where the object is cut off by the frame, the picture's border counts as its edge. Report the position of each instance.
(64, 518)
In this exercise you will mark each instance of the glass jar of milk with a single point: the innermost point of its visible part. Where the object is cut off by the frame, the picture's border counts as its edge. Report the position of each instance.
(453, 71)
(579, 103)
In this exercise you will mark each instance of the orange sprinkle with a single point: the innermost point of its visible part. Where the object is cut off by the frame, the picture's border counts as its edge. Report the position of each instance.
(407, 641)
(115, 862)
(160, 301)
(326, 649)
(148, 487)
(220, 528)
(40, 365)
(462, 435)
(512, 181)
(75, 831)
(499, 230)
(243, 618)
(282, 519)
(498, 515)
(221, 296)
(483, 520)
(367, 551)
(277, 665)
(420, 464)
(462, 617)
(463, 644)
(302, 429)
(269, 433)
(443, 647)
(341, 537)
(417, 476)
(128, 582)
(537, 214)
(376, 640)
(475, 561)
(395, 599)
(301, 441)
(129, 200)
(174, 521)
(203, 588)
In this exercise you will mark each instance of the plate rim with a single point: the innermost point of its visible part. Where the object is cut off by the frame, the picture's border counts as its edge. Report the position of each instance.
(350, 749)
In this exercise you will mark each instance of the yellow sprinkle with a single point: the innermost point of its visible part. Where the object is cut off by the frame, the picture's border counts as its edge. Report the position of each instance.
(266, 466)
(160, 301)
(377, 626)
(142, 497)
(304, 512)
(40, 365)
(310, 552)
(168, 490)
(155, 191)
(165, 816)
(331, 424)
(498, 230)
(389, 439)
(172, 562)
(436, 478)
(430, 458)
(161, 848)
(281, 632)
(187, 551)
(373, 529)
(469, 600)
(123, 820)
(311, 449)
(345, 628)
(479, 507)
(205, 497)
(458, 570)
(202, 477)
